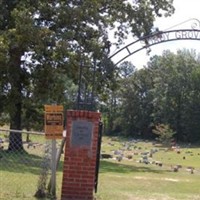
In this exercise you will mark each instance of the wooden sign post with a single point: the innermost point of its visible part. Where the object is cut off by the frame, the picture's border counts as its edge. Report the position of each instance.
(53, 130)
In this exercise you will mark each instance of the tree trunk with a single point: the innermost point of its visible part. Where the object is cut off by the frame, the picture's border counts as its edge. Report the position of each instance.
(178, 120)
(15, 139)
(15, 98)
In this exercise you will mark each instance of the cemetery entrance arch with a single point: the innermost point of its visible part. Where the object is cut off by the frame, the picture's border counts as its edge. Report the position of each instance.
(81, 161)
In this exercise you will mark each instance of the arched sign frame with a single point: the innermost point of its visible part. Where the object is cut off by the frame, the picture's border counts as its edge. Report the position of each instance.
(138, 45)
(154, 39)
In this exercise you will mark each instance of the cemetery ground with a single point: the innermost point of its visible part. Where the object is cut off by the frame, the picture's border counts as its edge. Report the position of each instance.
(129, 170)
(149, 171)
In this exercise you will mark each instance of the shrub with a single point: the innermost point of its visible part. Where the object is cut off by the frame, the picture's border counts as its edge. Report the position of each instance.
(164, 132)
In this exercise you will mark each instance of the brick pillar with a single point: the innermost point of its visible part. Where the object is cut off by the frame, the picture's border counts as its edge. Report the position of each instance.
(80, 155)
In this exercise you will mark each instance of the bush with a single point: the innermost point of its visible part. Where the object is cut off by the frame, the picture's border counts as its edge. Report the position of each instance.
(164, 132)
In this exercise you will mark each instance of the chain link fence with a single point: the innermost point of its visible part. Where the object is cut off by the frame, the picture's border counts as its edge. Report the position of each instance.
(26, 174)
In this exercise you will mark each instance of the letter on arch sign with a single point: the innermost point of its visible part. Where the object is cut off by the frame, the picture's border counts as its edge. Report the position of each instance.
(53, 121)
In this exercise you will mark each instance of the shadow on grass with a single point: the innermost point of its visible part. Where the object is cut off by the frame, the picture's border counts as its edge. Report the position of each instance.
(106, 166)
(22, 162)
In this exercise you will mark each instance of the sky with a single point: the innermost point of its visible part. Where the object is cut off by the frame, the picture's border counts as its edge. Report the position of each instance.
(185, 11)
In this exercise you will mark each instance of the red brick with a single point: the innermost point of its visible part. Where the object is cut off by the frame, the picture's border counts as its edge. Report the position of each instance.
(79, 163)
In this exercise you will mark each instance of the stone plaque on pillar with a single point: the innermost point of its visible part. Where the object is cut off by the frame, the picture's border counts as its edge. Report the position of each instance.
(81, 133)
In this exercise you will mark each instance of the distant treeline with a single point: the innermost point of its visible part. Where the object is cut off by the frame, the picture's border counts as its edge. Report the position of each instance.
(166, 91)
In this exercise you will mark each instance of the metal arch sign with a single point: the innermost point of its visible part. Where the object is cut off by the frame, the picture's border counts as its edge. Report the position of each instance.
(153, 39)
(184, 34)
(53, 121)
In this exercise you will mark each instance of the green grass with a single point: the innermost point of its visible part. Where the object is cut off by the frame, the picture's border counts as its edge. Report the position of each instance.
(125, 180)
(139, 181)
(131, 180)
(20, 171)
(19, 175)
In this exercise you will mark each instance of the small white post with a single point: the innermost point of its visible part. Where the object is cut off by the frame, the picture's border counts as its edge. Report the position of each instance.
(53, 169)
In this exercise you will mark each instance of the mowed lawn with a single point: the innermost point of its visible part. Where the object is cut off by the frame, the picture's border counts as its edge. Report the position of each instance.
(20, 171)
(131, 180)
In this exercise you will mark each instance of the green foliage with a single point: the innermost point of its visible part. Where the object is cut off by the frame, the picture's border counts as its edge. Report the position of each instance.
(136, 103)
(174, 90)
(165, 92)
(126, 69)
(164, 132)
(42, 182)
(43, 43)
(4, 119)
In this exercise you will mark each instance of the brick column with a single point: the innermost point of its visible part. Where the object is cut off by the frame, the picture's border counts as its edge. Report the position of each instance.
(80, 155)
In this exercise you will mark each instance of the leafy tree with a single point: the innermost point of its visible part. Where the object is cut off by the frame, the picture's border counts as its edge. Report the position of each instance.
(56, 35)
(165, 92)
(126, 69)
(164, 132)
(113, 101)
(137, 103)
(173, 89)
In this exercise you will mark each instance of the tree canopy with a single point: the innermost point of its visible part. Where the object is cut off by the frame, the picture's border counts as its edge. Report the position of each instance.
(42, 43)
(166, 92)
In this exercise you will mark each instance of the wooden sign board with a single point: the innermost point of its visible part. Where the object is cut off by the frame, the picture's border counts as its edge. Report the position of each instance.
(53, 108)
(53, 122)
